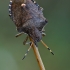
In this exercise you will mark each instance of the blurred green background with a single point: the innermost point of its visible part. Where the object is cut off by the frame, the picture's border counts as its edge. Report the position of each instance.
(57, 38)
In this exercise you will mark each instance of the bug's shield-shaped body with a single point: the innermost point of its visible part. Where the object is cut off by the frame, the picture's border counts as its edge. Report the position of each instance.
(28, 18)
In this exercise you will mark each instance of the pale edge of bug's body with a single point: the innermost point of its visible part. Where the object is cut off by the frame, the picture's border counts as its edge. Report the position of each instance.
(10, 3)
(10, 14)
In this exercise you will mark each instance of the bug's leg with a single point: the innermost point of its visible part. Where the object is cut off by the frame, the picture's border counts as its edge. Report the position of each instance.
(43, 34)
(28, 42)
(17, 35)
(24, 42)
(27, 51)
(43, 30)
(47, 47)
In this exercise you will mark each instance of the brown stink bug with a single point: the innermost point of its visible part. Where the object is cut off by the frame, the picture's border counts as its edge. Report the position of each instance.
(28, 18)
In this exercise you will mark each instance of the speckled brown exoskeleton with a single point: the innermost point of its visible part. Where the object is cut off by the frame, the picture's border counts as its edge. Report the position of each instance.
(28, 18)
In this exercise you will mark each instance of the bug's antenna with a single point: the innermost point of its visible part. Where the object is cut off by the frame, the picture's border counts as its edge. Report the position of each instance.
(27, 51)
(47, 47)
